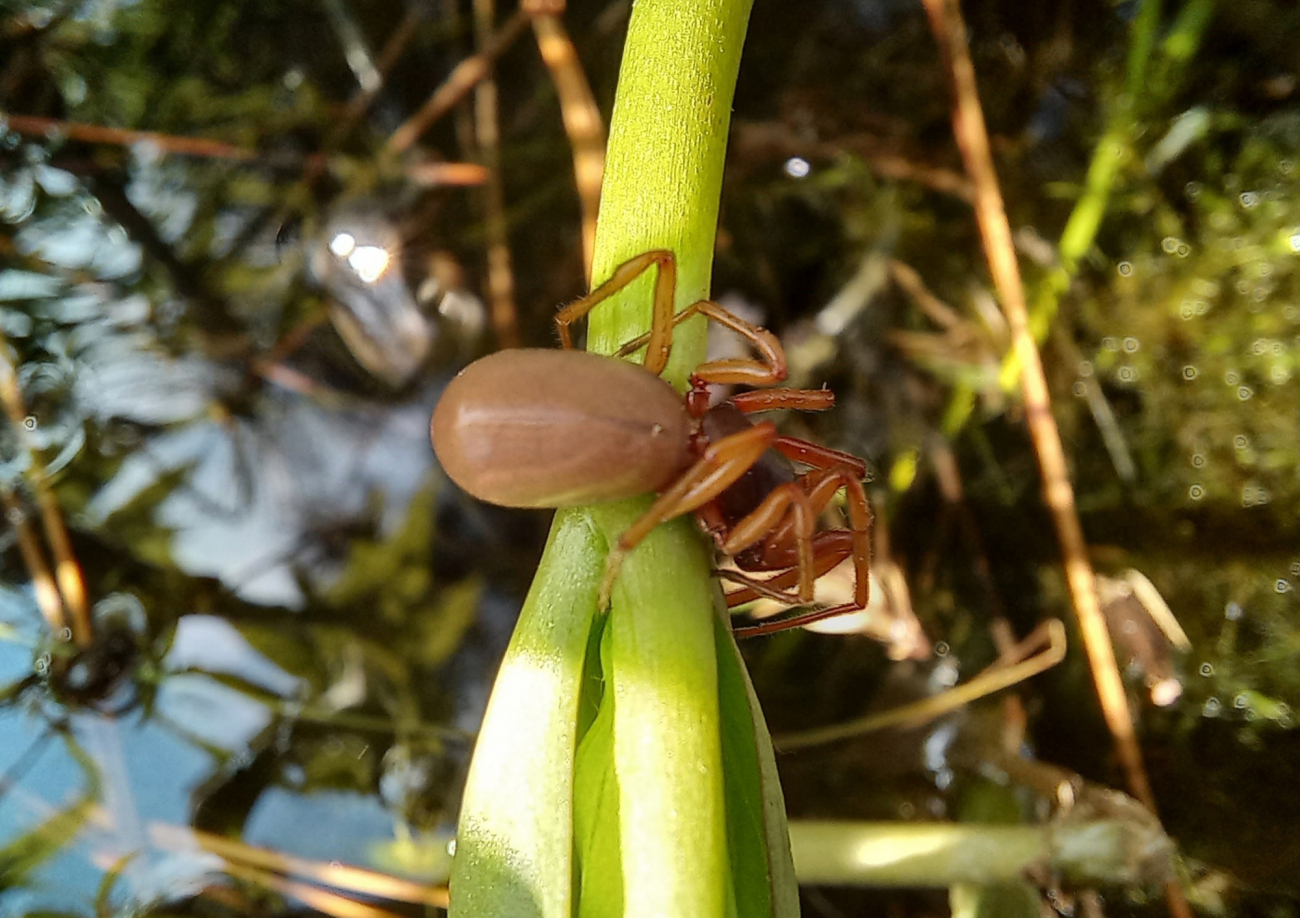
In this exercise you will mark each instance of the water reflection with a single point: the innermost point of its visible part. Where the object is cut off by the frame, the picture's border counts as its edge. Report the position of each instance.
(227, 685)
(358, 260)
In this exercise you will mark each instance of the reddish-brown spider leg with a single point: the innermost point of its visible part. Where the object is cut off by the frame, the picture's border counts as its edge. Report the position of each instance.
(821, 485)
(829, 549)
(783, 543)
(788, 502)
(776, 554)
(780, 547)
(728, 543)
(660, 337)
(795, 399)
(855, 496)
(795, 621)
(819, 457)
(768, 370)
(753, 588)
(860, 536)
(722, 463)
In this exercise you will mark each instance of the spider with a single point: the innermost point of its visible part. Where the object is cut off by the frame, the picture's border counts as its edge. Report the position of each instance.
(545, 428)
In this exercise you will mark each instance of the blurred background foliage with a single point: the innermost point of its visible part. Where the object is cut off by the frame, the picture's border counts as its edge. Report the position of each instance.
(227, 335)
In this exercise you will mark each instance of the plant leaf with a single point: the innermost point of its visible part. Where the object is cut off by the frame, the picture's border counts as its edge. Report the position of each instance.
(514, 847)
(595, 811)
(758, 836)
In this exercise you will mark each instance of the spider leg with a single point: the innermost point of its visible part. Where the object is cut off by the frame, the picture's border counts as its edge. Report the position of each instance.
(795, 399)
(794, 621)
(660, 336)
(722, 463)
(848, 471)
(768, 370)
(789, 501)
(821, 486)
(857, 537)
(819, 457)
(829, 549)
(755, 588)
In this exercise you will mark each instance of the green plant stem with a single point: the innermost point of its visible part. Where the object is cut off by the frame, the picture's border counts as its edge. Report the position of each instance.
(667, 750)
(663, 171)
(1140, 44)
(662, 189)
(652, 766)
(514, 843)
(1110, 851)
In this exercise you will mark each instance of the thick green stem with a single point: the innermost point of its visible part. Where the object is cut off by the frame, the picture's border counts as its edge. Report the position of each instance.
(937, 854)
(514, 845)
(662, 188)
(643, 779)
(663, 171)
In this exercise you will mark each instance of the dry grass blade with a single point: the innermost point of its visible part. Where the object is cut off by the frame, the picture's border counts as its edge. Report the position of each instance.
(487, 129)
(1005, 673)
(122, 137)
(267, 863)
(322, 900)
(1158, 609)
(1049, 638)
(466, 75)
(582, 121)
(47, 594)
(972, 139)
(432, 173)
(440, 173)
(938, 311)
(67, 573)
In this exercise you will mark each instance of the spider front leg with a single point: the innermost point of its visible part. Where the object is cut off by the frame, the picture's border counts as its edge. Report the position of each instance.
(788, 502)
(820, 457)
(660, 336)
(793, 399)
(822, 485)
(768, 370)
(795, 621)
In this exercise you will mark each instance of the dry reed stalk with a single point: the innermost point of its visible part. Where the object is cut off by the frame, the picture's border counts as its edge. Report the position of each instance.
(34, 126)
(464, 77)
(973, 141)
(582, 121)
(67, 572)
(345, 877)
(424, 173)
(1042, 649)
(321, 900)
(487, 130)
(47, 594)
